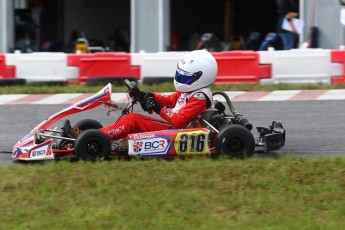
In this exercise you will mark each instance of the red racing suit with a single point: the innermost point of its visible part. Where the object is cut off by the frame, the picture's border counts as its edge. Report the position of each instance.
(179, 109)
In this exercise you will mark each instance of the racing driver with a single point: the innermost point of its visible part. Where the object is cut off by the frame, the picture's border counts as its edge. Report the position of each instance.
(195, 73)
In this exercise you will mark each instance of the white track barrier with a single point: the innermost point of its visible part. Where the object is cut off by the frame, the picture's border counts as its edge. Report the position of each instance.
(42, 67)
(293, 66)
(300, 66)
(156, 65)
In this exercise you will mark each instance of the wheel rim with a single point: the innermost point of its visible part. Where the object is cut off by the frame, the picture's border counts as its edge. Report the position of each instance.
(93, 147)
(235, 144)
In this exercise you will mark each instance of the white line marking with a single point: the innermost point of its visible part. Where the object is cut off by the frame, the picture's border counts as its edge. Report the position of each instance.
(5, 99)
(282, 95)
(335, 94)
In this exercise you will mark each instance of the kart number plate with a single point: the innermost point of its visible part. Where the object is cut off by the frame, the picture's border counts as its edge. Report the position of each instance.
(192, 143)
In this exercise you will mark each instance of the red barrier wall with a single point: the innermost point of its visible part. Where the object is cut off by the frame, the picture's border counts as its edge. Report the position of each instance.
(339, 57)
(240, 67)
(6, 71)
(103, 65)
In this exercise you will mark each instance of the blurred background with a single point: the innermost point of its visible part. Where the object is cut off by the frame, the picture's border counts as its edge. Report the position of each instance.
(159, 25)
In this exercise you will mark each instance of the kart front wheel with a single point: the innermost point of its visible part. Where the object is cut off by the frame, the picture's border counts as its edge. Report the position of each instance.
(235, 141)
(88, 124)
(92, 145)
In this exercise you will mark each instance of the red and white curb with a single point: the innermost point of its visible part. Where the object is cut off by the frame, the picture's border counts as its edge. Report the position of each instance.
(282, 95)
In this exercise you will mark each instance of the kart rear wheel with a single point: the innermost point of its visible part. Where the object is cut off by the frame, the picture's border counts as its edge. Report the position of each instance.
(87, 124)
(92, 145)
(235, 141)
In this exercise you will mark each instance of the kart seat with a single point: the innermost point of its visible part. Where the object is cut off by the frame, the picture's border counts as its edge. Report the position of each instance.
(206, 115)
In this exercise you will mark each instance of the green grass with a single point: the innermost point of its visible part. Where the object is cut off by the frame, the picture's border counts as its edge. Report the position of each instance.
(163, 87)
(256, 193)
(284, 193)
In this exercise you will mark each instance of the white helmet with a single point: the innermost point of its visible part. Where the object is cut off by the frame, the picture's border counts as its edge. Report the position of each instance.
(196, 69)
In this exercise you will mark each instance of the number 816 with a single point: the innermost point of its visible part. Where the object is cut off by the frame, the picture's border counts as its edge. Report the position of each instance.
(193, 143)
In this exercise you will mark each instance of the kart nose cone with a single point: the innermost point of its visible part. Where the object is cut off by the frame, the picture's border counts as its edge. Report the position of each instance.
(16, 152)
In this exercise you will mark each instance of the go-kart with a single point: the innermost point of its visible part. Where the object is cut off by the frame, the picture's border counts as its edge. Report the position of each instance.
(212, 133)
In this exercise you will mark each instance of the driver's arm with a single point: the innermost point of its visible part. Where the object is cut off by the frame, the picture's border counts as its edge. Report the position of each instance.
(192, 108)
(167, 100)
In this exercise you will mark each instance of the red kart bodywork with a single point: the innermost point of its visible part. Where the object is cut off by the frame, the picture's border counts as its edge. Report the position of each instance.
(171, 143)
(165, 143)
(211, 134)
(27, 149)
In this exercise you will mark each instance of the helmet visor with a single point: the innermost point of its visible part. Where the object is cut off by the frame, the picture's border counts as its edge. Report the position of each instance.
(186, 78)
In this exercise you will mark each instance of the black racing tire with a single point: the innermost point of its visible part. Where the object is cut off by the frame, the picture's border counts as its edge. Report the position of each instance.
(86, 124)
(235, 141)
(92, 145)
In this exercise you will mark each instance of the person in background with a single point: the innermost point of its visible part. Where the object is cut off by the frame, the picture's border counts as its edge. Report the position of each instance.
(342, 12)
(287, 9)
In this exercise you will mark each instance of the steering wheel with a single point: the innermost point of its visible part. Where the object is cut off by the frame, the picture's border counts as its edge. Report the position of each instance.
(133, 89)
(130, 84)
(134, 93)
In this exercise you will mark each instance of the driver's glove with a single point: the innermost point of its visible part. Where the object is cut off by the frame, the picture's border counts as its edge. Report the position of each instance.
(135, 92)
(145, 98)
(153, 105)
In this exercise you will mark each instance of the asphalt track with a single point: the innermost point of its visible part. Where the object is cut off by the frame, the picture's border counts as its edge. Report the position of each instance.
(314, 128)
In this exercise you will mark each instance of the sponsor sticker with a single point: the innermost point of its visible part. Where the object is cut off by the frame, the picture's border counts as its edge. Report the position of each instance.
(142, 136)
(149, 147)
(137, 146)
(113, 132)
(41, 152)
(199, 96)
(169, 112)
